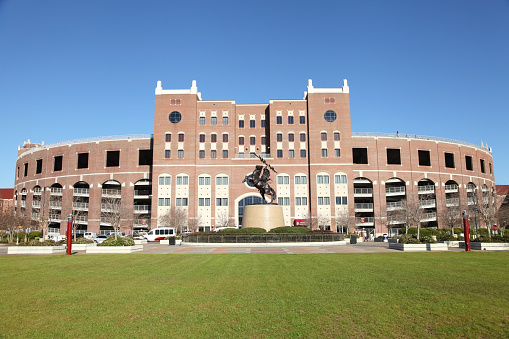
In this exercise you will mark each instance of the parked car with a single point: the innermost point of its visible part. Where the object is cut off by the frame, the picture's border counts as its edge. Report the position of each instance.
(217, 229)
(89, 235)
(100, 238)
(119, 234)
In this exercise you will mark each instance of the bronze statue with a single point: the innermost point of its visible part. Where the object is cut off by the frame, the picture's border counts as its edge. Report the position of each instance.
(260, 178)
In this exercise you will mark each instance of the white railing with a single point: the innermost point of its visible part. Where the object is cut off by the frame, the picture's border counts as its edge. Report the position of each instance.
(364, 221)
(54, 217)
(141, 208)
(452, 202)
(81, 218)
(472, 200)
(80, 205)
(111, 192)
(56, 190)
(53, 230)
(81, 191)
(138, 193)
(55, 204)
(23, 203)
(395, 190)
(429, 216)
(364, 206)
(470, 188)
(394, 205)
(426, 189)
(427, 203)
(36, 203)
(363, 191)
(451, 188)
(37, 191)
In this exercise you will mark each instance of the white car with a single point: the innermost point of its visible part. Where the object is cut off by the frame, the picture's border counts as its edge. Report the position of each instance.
(160, 233)
(89, 235)
(100, 238)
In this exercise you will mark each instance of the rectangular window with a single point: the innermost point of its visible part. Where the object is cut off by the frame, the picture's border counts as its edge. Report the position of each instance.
(301, 201)
(225, 154)
(213, 154)
(263, 124)
(301, 179)
(291, 137)
(302, 153)
(213, 137)
(164, 180)
(38, 167)
(303, 137)
(252, 140)
(279, 120)
(161, 201)
(204, 181)
(167, 137)
(225, 137)
(483, 170)
(204, 202)
(221, 180)
(252, 123)
(291, 153)
(57, 163)
(279, 153)
(341, 200)
(213, 121)
(290, 120)
(322, 179)
(264, 140)
(202, 120)
(241, 123)
(164, 201)
(491, 170)
(323, 201)
(25, 169)
(340, 179)
(337, 152)
(82, 160)
(323, 136)
(241, 140)
(201, 154)
(183, 180)
(181, 201)
(221, 201)
(393, 156)
(180, 153)
(302, 120)
(202, 137)
(324, 152)
(279, 137)
(144, 157)
(336, 136)
(424, 158)
(360, 155)
(181, 137)
(225, 122)
(167, 154)
(449, 160)
(468, 163)
(112, 158)
(283, 180)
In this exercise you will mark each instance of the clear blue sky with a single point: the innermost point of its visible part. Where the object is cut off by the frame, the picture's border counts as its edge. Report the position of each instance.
(77, 69)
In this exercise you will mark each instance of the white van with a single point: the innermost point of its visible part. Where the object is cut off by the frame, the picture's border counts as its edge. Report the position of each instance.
(89, 235)
(160, 232)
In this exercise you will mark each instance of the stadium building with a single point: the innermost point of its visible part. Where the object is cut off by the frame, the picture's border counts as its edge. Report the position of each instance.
(200, 151)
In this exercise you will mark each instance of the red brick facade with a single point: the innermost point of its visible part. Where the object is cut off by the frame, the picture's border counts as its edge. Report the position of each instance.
(201, 153)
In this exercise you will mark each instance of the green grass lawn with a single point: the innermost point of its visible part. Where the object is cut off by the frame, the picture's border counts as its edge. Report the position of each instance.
(255, 295)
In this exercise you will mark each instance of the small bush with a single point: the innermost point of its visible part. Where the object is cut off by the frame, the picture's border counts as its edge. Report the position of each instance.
(83, 241)
(288, 229)
(43, 243)
(408, 239)
(119, 242)
(446, 237)
(426, 239)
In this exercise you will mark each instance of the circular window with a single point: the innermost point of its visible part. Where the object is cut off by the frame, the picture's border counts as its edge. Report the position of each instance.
(330, 116)
(175, 117)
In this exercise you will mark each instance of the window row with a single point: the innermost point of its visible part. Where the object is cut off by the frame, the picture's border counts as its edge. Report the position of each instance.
(213, 120)
(252, 123)
(184, 180)
(252, 140)
(360, 156)
(166, 202)
(290, 120)
(112, 160)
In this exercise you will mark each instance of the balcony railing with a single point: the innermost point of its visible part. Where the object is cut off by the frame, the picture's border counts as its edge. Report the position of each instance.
(364, 207)
(54, 217)
(55, 190)
(470, 188)
(471, 200)
(80, 205)
(429, 216)
(395, 190)
(55, 204)
(394, 205)
(426, 189)
(141, 208)
(81, 191)
(36, 204)
(142, 193)
(451, 188)
(111, 193)
(81, 219)
(364, 221)
(427, 203)
(363, 191)
(35, 216)
(452, 202)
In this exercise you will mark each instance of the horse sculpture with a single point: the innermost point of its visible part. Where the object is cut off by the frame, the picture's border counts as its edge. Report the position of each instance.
(259, 179)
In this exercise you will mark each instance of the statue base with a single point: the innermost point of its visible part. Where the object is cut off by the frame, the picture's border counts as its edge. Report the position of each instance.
(266, 216)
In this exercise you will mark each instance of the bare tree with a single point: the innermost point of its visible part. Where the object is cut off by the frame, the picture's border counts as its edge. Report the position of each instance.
(414, 212)
(175, 217)
(222, 219)
(488, 207)
(344, 220)
(451, 217)
(112, 213)
(79, 208)
(323, 222)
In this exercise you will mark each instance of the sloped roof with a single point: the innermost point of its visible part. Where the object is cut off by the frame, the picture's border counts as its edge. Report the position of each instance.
(7, 193)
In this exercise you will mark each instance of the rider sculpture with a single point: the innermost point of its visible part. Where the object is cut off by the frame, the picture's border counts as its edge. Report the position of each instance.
(259, 179)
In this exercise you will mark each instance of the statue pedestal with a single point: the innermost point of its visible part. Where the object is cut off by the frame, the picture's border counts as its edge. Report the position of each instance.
(266, 216)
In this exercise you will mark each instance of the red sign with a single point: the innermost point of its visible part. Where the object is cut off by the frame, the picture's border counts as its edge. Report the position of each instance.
(300, 222)
(495, 227)
(363, 220)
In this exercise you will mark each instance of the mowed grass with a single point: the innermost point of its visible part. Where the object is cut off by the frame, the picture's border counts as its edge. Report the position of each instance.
(255, 295)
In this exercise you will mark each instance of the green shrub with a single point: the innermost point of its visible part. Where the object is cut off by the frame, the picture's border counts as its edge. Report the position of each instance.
(43, 243)
(288, 229)
(408, 239)
(119, 242)
(446, 237)
(426, 239)
(83, 241)
(239, 231)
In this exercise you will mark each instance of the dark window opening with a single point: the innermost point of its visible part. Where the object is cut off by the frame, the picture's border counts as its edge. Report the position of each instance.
(483, 170)
(112, 158)
(290, 120)
(57, 164)
(252, 123)
(82, 160)
(213, 138)
(279, 120)
(360, 155)
(145, 157)
(241, 140)
(241, 123)
(181, 137)
(424, 158)
(168, 137)
(393, 156)
(25, 170)
(449, 160)
(302, 120)
(468, 163)
(38, 167)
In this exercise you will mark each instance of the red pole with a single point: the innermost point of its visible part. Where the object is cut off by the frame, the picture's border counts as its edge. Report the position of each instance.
(69, 234)
(466, 231)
